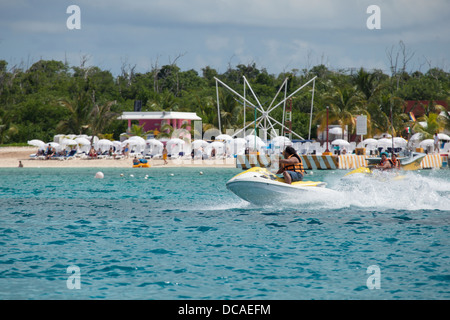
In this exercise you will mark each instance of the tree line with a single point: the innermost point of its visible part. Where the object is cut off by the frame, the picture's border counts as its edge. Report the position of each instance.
(51, 97)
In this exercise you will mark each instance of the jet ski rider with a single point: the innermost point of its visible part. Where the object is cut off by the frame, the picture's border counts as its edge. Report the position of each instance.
(291, 166)
(385, 163)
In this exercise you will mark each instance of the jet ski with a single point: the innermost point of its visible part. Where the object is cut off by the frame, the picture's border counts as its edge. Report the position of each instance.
(407, 163)
(261, 187)
(410, 163)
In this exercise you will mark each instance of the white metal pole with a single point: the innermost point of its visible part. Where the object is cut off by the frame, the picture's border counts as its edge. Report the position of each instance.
(312, 104)
(245, 107)
(284, 109)
(218, 108)
(291, 94)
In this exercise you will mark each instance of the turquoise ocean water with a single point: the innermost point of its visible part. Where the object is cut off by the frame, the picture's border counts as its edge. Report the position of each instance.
(182, 235)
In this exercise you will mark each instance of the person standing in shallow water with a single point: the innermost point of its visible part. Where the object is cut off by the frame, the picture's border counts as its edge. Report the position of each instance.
(164, 153)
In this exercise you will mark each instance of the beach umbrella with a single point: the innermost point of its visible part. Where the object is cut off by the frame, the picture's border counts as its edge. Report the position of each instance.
(383, 135)
(83, 141)
(140, 140)
(104, 144)
(340, 142)
(425, 143)
(335, 130)
(384, 143)
(55, 145)
(443, 136)
(369, 141)
(281, 141)
(197, 144)
(154, 142)
(175, 145)
(36, 143)
(224, 137)
(68, 142)
(156, 146)
(237, 145)
(259, 143)
(251, 138)
(176, 141)
(217, 145)
(399, 141)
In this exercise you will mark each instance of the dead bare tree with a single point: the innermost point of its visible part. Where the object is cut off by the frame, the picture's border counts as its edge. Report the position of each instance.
(396, 56)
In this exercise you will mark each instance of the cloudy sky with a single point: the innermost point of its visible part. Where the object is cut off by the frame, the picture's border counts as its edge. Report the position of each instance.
(279, 35)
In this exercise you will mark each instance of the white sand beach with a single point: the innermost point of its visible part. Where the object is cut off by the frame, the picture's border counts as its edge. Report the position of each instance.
(10, 157)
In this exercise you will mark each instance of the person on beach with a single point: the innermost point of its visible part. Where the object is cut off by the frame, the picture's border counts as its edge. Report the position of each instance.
(291, 166)
(436, 143)
(126, 150)
(20, 164)
(164, 154)
(92, 152)
(50, 152)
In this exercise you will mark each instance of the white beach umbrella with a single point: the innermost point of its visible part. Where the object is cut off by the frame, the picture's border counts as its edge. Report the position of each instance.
(259, 143)
(384, 142)
(197, 144)
(217, 145)
(443, 136)
(370, 141)
(335, 130)
(154, 143)
(225, 137)
(82, 141)
(104, 144)
(175, 145)
(55, 145)
(340, 142)
(237, 145)
(281, 141)
(250, 139)
(399, 141)
(36, 143)
(68, 142)
(137, 138)
(425, 143)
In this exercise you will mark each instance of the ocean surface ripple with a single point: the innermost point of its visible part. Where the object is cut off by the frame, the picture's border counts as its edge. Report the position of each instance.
(172, 233)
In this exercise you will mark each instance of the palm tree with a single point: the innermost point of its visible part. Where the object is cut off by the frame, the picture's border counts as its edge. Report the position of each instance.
(344, 104)
(433, 124)
(165, 131)
(229, 111)
(79, 114)
(136, 130)
(101, 117)
(7, 128)
(86, 117)
(368, 84)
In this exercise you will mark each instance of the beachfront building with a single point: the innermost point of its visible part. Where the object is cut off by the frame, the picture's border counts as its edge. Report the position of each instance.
(153, 121)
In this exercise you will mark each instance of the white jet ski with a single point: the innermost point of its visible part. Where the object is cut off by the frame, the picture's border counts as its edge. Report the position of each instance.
(260, 186)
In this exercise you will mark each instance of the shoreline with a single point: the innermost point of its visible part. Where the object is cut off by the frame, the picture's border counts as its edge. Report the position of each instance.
(10, 157)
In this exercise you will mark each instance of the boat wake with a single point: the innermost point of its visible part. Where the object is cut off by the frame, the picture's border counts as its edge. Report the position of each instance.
(407, 192)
